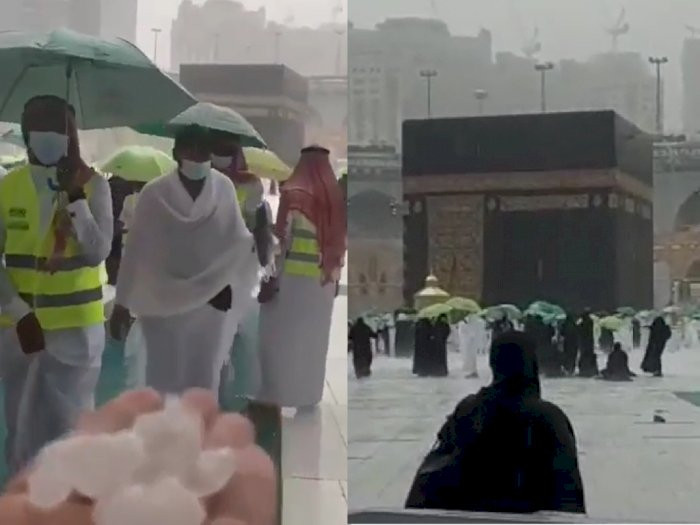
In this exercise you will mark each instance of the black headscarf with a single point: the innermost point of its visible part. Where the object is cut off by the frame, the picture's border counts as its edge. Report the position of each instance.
(513, 361)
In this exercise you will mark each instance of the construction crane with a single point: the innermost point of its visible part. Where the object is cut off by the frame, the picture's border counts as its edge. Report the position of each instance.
(694, 31)
(532, 46)
(620, 28)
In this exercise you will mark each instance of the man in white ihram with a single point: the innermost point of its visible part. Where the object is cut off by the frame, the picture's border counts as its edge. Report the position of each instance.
(189, 261)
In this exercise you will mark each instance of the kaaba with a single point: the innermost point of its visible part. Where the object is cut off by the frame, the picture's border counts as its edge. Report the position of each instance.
(517, 208)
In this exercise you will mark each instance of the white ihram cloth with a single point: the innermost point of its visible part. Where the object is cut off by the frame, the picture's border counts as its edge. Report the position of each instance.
(453, 340)
(179, 255)
(469, 342)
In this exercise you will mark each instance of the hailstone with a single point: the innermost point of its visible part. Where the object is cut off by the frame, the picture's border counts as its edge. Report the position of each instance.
(155, 472)
(165, 501)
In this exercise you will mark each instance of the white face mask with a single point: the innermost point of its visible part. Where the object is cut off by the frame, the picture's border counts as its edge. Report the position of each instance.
(48, 147)
(221, 163)
(195, 170)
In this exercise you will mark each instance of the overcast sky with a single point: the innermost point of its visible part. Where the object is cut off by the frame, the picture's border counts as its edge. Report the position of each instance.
(568, 28)
(160, 13)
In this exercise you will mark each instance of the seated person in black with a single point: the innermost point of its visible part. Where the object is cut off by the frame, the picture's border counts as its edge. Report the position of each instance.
(504, 449)
(617, 368)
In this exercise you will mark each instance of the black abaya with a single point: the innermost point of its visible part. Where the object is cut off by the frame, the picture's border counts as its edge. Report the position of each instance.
(659, 335)
(421, 347)
(361, 336)
(588, 362)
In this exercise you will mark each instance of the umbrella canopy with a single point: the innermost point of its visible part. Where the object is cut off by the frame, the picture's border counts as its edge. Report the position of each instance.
(434, 311)
(110, 83)
(210, 116)
(139, 164)
(13, 136)
(671, 310)
(511, 312)
(266, 164)
(612, 323)
(626, 311)
(468, 306)
(548, 312)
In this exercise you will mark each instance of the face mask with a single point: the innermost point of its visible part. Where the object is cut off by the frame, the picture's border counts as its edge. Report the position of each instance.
(195, 170)
(48, 147)
(221, 163)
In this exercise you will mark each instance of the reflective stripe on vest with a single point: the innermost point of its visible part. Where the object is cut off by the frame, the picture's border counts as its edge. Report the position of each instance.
(303, 257)
(71, 297)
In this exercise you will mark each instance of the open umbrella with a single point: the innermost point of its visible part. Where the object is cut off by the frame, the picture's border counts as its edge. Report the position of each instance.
(110, 83)
(138, 164)
(468, 306)
(546, 310)
(494, 313)
(13, 136)
(626, 311)
(612, 323)
(266, 164)
(209, 116)
(435, 311)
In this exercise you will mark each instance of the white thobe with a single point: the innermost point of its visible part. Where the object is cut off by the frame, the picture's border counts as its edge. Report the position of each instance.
(468, 339)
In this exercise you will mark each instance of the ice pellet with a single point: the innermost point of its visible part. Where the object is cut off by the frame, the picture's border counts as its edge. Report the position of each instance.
(47, 490)
(172, 439)
(211, 472)
(154, 472)
(165, 501)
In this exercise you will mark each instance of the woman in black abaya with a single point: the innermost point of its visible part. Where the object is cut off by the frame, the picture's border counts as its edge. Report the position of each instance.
(361, 336)
(659, 334)
(438, 352)
(503, 449)
(421, 347)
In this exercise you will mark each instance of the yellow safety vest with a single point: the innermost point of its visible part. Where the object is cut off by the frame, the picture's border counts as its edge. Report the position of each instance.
(304, 256)
(69, 298)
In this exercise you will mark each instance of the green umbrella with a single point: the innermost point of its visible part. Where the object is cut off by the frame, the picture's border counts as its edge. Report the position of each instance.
(435, 311)
(209, 116)
(493, 313)
(544, 310)
(468, 306)
(612, 323)
(110, 83)
(626, 311)
(139, 164)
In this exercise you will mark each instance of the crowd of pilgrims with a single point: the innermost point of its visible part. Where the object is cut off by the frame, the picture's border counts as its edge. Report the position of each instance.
(565, 348)
(522, 446)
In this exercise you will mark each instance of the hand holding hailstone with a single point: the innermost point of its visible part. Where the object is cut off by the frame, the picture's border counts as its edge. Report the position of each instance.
(140, 460)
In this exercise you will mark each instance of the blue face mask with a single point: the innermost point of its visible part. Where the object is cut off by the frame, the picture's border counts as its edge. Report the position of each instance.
(195, 170)
(48, 147)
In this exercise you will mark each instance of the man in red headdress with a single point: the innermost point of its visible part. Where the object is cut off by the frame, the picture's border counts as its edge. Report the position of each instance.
(295, 321)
